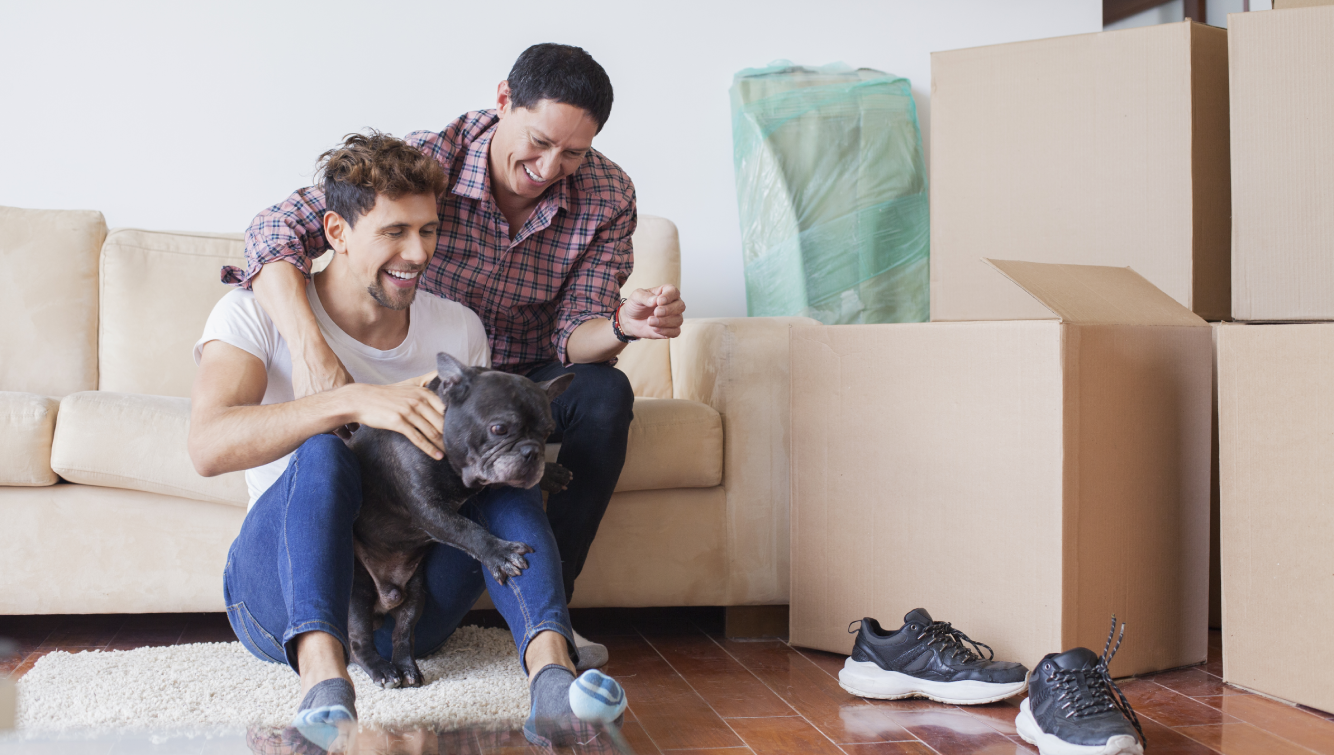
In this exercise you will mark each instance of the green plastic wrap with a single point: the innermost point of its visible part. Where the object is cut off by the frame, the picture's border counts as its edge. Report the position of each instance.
(831, 188)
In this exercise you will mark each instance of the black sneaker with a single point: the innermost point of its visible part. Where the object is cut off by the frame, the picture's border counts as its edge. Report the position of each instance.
(1074, 707)
(928, 659)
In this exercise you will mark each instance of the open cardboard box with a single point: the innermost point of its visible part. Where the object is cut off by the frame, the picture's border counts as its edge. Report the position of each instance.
(1024, 480)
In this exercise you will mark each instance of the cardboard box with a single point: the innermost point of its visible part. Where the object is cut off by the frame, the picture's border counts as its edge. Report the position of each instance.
(1276, 440)
(1282, 75)
(1097, 149)
(1290, 4)
(1024, 480)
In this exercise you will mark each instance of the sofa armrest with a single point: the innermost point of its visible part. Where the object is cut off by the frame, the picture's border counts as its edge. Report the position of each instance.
(739, 366)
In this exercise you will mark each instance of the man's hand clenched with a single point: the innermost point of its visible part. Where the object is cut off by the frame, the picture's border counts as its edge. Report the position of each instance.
(653, 313)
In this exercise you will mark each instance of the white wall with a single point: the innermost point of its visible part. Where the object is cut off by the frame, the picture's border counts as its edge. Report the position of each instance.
(193, 116)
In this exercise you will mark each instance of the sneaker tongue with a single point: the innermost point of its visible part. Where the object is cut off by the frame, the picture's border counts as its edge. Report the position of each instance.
(917, 616)
(1077, 658)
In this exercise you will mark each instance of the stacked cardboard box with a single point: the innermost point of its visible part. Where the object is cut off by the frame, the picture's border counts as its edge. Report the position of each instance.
(1022, 479)
(1097, 149)
(1276, 381)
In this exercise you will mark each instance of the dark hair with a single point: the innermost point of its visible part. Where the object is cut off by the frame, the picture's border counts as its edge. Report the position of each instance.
(367, 165)
(561, 73)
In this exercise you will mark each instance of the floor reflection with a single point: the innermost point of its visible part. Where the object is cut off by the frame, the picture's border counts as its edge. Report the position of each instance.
(289, 741)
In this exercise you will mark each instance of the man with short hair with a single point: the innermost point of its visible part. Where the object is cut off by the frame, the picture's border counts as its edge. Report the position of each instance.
(289, 574)
(535, 237)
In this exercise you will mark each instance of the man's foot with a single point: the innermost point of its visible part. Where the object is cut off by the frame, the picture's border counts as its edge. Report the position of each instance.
(591, 654)
(566, 711)
(1074, 707)
(327, 715)
(926, 658)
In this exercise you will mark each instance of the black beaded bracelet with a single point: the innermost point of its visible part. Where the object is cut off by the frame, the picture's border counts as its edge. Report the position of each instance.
(616, 326)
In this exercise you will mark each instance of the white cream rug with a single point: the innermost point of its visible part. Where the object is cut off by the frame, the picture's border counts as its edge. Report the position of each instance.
(474, 680)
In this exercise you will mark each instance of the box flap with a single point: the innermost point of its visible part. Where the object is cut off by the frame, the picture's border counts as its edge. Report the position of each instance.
(1096, 295)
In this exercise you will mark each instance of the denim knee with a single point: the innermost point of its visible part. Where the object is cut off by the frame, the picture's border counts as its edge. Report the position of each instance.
(601, 394)
(325, 461)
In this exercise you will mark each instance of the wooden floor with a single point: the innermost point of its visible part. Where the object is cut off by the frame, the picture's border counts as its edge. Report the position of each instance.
(692, 690)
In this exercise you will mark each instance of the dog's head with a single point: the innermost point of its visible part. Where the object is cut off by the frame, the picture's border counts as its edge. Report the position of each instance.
(496, 424)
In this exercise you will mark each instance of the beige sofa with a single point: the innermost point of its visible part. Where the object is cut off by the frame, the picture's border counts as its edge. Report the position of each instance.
(105, 514)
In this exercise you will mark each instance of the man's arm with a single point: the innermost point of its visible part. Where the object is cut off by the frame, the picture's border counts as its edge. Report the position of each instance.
(230, 430)
(651, 313)
(291, 233)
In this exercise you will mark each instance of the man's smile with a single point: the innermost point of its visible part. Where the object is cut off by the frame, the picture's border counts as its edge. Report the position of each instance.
(532, 176)
(403, 278)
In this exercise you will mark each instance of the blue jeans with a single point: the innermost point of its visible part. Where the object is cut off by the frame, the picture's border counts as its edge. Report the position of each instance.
(593, 428)
(290, 569)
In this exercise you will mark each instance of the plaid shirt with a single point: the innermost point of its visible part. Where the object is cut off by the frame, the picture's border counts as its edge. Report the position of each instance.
(564, 267)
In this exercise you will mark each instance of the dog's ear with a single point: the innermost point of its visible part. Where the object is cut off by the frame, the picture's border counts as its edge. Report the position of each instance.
(451, 373)
(556, 386)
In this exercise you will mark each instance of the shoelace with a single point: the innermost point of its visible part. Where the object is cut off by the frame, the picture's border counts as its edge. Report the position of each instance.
(951, 642)
(1103, 694)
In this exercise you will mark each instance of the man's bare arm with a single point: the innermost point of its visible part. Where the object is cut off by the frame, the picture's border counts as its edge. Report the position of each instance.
(281, 290)
(651, 313)
(230, 430)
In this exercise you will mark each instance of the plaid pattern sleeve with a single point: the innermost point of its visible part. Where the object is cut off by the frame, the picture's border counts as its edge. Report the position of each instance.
(292, 231)
(593, 288)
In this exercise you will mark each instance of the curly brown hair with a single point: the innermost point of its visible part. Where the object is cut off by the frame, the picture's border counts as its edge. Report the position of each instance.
(367, 165)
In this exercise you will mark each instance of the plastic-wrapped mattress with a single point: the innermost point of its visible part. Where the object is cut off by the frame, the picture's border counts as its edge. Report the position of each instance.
(831, 188)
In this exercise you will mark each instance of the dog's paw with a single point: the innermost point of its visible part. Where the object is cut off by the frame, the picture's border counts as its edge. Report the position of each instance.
(555, 478)
(408, 673)
(508, 560)
(381, 672)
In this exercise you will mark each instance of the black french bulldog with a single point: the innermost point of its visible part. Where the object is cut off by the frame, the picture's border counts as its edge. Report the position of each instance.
(496, 426)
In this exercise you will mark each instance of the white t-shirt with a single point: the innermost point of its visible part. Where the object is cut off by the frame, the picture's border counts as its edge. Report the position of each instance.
(434, 325)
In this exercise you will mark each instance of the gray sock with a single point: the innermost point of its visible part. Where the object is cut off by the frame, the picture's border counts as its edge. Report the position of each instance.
(550, 693)
(332, 692)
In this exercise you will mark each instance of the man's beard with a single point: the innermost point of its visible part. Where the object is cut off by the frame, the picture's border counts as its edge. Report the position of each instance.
(382, 297)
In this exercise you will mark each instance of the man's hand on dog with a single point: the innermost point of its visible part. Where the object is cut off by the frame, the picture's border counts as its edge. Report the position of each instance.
(406, 408)
(653, 313)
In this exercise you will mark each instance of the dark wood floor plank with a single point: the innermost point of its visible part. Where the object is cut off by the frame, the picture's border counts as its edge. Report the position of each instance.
(728, 688)
(888, 748)
(28, 632)
(206, 627)
(1241, 739)
(951, 731)
(85, 631)
(639, 739)
(783, 736)
(149, 630)
(1170, 708)
(831, 663)
(814, 694)
(1194, 682)
(1165, 741)
(664, 704)
(1287, 721)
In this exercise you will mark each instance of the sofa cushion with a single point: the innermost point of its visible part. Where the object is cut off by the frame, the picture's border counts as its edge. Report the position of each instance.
(27, 422)
(157, 290)
(48, 344)
(673, 444)
(121, 440)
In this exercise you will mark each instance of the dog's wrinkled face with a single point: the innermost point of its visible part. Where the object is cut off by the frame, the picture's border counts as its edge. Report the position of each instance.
(496, 424)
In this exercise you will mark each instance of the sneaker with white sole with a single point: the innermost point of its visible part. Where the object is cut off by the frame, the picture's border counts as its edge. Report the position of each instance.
(1074, 707)
(926, 658)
